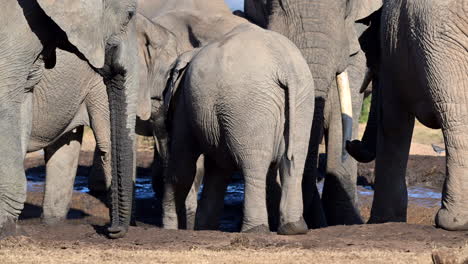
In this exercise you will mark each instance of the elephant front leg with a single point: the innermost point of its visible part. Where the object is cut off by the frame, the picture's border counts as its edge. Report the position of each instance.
(395, 129)
(15, 128)
(313, 210)
(61, 166)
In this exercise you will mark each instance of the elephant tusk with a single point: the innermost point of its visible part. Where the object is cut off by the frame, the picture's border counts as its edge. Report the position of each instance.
(344, 93)
(367, 80)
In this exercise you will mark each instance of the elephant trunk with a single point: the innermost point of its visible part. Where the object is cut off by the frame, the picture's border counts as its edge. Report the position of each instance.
(122, 143)
(344, 93)
(122, 87)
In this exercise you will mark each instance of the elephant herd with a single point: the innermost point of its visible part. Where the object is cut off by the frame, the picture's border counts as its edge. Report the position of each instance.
(252, 92)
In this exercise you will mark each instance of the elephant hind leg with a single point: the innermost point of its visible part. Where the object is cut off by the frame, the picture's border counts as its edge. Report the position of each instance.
(61, 166)
(179, 176)
(453, 214)
(255, 209)
(212, 198)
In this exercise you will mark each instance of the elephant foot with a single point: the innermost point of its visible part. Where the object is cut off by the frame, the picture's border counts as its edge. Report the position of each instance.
(117, 231)
(341, 212)
(453, 222)
(385, 219)
(257, 229)
(8, 228)
(338, 217)
(293, 228)
(358, 150)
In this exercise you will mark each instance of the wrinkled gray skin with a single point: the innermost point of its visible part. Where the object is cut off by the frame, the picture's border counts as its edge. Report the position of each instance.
(325, 33)
(154, 8)
(29, 40)
(69, 96)
(208, 115)
(428, 83)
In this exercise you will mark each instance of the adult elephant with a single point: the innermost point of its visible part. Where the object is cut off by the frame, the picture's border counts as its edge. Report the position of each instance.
(325, 32)
(210, 112)
(30, 33)
(422, 74)
(57, 125)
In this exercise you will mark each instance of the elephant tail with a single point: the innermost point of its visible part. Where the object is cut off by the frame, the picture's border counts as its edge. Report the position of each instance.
(290, 114)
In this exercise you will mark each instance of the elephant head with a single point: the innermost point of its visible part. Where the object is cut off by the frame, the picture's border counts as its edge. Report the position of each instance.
(103, 32)
(158, 50)
(324, 32)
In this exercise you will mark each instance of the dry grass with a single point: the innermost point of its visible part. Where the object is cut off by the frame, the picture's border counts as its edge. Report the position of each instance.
(93, 255)
(25, 250)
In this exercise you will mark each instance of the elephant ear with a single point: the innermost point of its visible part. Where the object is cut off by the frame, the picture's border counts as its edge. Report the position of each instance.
(364, 8)
(353, 40)
(177, 71)
(81, 22)
(360, 9)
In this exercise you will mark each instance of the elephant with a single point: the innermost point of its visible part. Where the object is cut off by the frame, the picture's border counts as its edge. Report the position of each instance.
(209, 111)
(327, 34)
(31, 33)
(422, 63)
(57, 125)
(183, 26)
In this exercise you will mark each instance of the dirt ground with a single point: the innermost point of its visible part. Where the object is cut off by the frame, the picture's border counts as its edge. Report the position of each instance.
(81, 239)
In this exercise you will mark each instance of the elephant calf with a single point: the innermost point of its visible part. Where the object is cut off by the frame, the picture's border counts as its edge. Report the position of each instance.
(245, 102)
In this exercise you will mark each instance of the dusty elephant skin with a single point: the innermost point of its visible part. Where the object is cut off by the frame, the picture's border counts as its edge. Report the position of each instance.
(428, 83)
(208, 115)
(326, 34)
(30, 34)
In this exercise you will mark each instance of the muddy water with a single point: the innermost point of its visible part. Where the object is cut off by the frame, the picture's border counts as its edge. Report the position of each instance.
(232, 215)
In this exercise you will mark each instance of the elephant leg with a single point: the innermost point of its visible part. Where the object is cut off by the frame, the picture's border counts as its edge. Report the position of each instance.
(395, 130)
(339, 195)
(99, 178)
(176, 191)
(212, 198)
(15, 130)
(273, 197)
(178, 176)
(255, 208)
(61, 165)
(97, 103)
(191, 203)
(313, 210)
(452, 109)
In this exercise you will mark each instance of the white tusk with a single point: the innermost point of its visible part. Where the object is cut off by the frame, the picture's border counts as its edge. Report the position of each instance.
(344, 93)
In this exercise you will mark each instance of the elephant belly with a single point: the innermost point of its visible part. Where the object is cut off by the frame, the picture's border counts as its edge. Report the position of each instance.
(59, 99)
(47, 129)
